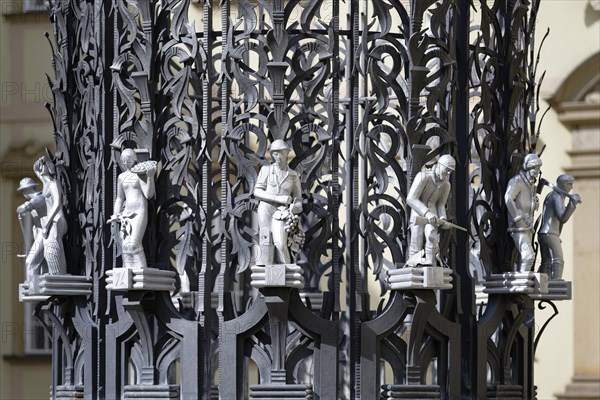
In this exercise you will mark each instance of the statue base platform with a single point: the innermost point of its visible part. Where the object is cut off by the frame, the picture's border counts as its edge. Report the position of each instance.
(277, 275)
(314, 299)
(505, 392)
(151, 392)
(410, 392)
(281, 392)
(69, 392)
(191, 300)
(40, 287)
(516, 282)
(419, 278)
(124, 279)
(558, 289)
(25, 297)
(481, 298)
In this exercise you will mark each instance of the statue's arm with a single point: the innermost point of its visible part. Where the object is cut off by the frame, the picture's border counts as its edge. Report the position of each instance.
(443, 199)
(148, 187)
(261, 186)
(511, 194)
(118, 206)
(414, 196)
(147, 184)
(297, 194)
(563, 213)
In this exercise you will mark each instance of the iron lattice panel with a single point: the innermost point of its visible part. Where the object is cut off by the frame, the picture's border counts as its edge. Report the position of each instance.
(357, 88)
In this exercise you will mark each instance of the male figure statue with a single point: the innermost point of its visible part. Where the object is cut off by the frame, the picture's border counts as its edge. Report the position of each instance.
(30, 213)
(427, 199)
(278, 189)
(554, 215)
(521, 203)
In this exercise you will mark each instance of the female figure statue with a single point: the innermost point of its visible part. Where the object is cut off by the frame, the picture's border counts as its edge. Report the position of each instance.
(134, 187)
(49, 245)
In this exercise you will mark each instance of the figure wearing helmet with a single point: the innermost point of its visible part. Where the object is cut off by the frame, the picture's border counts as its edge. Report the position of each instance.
(521, 203)
(427, 198)
(278, 189)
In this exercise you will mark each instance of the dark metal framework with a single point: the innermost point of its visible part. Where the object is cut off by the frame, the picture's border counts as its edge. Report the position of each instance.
(356, 88)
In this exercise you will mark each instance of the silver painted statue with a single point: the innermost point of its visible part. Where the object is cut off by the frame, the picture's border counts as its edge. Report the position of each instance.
(30, 214)
(427, 198)
(521, 203)
(134, 187)
(280, 194)
(554, 215)
(49, 244)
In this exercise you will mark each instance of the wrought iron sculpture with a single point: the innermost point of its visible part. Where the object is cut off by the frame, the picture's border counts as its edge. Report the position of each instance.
(360, 92)
(49, 248)
(522, 202)
(30, 214)
(427, 198)
(135, 186)
(554, 215)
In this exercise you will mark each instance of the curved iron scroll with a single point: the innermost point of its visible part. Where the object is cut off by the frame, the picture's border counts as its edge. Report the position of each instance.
(542, 306)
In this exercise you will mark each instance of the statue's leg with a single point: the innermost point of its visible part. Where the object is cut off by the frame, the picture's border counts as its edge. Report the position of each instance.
(545, 247)
(526, 252)
(280, 241)
(34, 259)
(133, 255)
(26, 221)
(431, 244)
(558, 261)
(416, 240)
(52, 256)
(264, 252)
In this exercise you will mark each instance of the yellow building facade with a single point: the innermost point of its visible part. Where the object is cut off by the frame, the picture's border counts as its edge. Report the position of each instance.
(568, 356)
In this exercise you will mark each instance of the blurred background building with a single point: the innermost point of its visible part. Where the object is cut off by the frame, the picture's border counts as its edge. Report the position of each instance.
(568, 355)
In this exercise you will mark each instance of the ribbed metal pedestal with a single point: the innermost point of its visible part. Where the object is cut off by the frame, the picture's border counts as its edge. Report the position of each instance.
(69, 392)
(151, 392)
(410, 392)
(281, 392)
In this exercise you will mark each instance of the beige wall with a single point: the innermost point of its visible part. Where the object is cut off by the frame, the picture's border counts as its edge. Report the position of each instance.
(574, 37)
(24, 129)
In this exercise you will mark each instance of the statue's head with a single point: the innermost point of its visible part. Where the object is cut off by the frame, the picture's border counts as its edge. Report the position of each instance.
(128, 158)
(532, 165)
(445, 165)
(279, 151)
(565, 182)
(27, 187)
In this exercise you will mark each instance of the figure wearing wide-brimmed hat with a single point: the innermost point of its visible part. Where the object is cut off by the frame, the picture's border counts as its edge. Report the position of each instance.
(49, 248)
(279, 191)
(30, 212)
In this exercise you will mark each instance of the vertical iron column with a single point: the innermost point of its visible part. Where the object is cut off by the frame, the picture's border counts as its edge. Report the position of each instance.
(465, 286)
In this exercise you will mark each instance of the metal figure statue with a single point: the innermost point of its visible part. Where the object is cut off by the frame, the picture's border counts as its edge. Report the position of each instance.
(278, 189)
(427, 198)
(521, 203)
(49, 244)
(554, 215)
(30, 214)
(134, 187)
